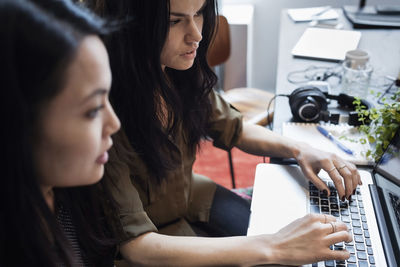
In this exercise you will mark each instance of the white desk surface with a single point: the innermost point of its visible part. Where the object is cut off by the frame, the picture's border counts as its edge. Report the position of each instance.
(383, 45)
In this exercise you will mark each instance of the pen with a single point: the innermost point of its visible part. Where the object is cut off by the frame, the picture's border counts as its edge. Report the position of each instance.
(319, 13)
(328, 135)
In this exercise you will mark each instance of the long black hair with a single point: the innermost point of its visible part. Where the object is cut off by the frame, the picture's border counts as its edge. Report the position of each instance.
(35, 49)
(139, 81)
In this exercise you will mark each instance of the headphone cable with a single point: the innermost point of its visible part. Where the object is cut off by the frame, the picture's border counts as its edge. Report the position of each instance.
(269, 106)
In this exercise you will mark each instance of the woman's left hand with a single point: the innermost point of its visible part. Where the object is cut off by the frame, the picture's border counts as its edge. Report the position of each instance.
(257, 140)
(312, 160)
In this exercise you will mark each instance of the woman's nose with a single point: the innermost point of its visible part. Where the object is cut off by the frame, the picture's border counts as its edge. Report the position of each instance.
(112, 124)
(194, 32)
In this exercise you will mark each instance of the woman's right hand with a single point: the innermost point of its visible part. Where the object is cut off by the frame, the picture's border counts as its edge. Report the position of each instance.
(304, 241)
(307, 240)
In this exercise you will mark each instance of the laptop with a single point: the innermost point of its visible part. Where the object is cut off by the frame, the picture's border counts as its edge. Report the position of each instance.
(373, 17)
(282, 194)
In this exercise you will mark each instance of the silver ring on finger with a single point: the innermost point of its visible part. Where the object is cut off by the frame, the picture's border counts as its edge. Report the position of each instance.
(341, 167)
(333, 224)
(334, 168)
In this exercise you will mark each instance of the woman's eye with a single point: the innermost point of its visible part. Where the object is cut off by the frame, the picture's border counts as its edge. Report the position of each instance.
(94, 112)
(174, 22)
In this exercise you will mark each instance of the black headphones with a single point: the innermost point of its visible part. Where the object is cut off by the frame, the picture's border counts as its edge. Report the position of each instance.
(310, 104)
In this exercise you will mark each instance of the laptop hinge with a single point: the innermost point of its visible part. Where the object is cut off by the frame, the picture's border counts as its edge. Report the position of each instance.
(380, 218)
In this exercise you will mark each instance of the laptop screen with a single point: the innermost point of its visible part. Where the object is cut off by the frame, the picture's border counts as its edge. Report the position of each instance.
(387, 179)
(389, 164)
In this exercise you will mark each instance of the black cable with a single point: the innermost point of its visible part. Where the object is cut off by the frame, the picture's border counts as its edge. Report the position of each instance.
(290, 161)
(397, 81)
(269, 106)
(387, 91)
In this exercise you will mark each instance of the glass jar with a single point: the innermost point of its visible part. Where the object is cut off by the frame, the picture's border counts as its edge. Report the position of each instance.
(356, 73)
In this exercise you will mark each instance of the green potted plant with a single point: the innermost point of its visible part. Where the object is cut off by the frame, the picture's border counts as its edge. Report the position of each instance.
(379, 124)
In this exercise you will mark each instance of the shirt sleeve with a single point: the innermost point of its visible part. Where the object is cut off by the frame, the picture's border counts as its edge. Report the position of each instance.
(225, 125)
(133, 218)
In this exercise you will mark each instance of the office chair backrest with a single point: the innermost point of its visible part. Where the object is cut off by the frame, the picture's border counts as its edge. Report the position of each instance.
(251, 102)
(220, 48)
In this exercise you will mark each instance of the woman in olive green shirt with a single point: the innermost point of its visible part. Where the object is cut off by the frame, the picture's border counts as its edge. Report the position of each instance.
(164, 98)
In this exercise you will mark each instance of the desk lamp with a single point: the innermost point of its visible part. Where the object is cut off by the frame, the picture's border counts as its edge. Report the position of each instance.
(379, 16)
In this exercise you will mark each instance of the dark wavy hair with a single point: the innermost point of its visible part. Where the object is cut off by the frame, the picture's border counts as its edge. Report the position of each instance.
(35, 49)
(138, 80)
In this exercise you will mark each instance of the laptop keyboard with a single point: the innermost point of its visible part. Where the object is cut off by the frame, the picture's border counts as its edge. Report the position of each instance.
(352, 213)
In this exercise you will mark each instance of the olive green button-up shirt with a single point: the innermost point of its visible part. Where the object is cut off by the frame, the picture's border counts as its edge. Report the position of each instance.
(182, 197)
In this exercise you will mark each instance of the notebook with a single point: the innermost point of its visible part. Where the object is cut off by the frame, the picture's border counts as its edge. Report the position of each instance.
(326, 44)
(282, 194)
(344, 133)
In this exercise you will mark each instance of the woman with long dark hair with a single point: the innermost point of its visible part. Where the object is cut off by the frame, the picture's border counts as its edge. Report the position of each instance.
(57, 128)
(163, 94)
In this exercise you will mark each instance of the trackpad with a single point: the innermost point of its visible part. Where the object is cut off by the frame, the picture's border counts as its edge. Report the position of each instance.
(280, 196)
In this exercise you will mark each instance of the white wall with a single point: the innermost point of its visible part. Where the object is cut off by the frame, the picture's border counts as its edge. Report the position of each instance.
(266, 33)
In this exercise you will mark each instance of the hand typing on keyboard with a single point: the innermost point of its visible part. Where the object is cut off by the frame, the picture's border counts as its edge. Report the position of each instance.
(351, 213)
(343, 173)
(258, 140)
(309, 239)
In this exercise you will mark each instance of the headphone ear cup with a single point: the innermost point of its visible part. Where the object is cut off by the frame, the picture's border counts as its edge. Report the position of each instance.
(345, 100)
(306, 103)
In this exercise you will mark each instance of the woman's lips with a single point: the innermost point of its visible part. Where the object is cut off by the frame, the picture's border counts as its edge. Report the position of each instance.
(190, 54)
(103, 158)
